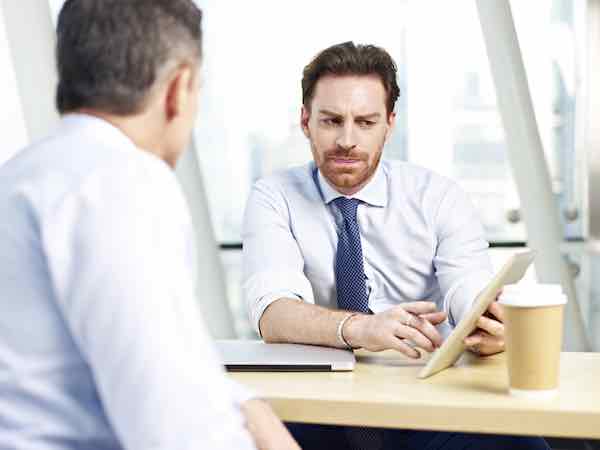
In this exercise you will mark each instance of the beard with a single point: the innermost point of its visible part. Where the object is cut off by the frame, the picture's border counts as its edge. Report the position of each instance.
(347, 171)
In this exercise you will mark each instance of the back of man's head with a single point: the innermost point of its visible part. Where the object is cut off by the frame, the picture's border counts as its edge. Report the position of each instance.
(111, 53)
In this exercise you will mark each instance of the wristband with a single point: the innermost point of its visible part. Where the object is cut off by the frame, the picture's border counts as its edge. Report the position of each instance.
(340, 335)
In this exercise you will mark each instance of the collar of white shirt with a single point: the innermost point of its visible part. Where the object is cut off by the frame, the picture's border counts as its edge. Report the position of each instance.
(375, 193)
(100, 128)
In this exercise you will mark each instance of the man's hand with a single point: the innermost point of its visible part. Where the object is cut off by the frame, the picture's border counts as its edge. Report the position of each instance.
(265, 427)
(488, 338)
(398, 328)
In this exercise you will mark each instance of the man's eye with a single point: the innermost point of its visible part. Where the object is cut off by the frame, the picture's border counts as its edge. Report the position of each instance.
(366, 123)
(331, 121)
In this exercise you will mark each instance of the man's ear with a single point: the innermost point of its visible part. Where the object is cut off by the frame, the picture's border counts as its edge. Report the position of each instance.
(391, 123)
(304, 118)
(179, 91)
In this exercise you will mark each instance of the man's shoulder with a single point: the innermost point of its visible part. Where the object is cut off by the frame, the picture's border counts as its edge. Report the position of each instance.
(64, 163)
(292, 179)
(412, 177)
(75, 154)
(428, 191)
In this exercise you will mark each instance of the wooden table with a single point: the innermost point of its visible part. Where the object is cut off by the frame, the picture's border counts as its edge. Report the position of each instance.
(384, 391)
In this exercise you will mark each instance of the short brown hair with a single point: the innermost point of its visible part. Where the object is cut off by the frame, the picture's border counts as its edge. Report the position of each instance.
(350, 59)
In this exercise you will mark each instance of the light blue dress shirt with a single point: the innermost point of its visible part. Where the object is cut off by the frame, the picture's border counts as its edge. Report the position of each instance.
(421, 240)
(101, 343)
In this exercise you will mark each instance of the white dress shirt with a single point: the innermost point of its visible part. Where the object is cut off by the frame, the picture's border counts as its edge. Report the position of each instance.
(101, 342)
(421, 240)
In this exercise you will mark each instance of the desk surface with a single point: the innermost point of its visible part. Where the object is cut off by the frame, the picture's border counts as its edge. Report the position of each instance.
(473, 396)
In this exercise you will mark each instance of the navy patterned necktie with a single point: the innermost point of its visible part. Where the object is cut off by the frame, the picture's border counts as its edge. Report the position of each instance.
(352, 295)
(349, 268)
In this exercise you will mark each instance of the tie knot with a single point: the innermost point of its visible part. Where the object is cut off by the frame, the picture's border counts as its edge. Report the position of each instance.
(347, 207)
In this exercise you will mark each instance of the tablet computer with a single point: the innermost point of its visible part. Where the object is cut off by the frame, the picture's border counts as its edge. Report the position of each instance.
(453, 346)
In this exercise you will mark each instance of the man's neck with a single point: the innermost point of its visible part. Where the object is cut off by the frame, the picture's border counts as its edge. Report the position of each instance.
(138, 128)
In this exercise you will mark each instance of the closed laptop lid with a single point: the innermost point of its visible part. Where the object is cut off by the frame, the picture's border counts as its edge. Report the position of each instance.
(246, 355)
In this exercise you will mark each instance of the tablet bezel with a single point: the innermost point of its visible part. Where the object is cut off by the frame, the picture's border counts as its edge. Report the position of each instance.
(445, 356)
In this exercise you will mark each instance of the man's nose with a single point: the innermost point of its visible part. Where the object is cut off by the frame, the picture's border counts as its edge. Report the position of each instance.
(346, 139)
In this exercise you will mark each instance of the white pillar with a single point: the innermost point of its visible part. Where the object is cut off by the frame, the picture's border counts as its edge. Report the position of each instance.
(32, 39)
(210, 282)
(12, 123)
(526, 155)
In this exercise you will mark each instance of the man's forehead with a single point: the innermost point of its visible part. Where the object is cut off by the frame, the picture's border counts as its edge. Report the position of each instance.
(336, 93)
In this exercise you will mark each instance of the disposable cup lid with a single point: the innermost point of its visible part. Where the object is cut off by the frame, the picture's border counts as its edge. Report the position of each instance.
(531, 295)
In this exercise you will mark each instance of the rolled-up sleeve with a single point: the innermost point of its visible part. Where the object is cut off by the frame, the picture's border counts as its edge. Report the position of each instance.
(273, 263)
(462, 263)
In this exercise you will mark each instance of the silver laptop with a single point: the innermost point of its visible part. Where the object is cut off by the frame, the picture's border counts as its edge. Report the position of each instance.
(256, 356)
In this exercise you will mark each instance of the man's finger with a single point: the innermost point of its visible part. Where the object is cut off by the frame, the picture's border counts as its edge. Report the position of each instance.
(435, 317)
(427, 329)
(401, 346)
(497, 311)
(473, 339)
(491, 326)
(488, 345)
(419, 307)
(416, 336)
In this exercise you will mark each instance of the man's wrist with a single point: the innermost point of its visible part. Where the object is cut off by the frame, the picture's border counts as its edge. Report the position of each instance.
(340, 331)
(350, 330)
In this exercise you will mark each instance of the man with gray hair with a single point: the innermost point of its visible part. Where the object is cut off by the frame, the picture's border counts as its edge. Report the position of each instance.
(101, 343)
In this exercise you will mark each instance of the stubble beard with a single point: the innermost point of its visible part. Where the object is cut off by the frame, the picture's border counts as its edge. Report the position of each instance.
(346, 180)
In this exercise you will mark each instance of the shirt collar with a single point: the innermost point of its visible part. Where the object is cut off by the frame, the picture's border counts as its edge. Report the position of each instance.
(374, 193)
(101, 129)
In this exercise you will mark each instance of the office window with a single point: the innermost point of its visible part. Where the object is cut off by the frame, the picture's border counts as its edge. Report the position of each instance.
(447, 117)
(447, 114)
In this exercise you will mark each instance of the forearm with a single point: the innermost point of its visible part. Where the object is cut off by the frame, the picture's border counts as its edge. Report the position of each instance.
(266, 429)
(291, 320)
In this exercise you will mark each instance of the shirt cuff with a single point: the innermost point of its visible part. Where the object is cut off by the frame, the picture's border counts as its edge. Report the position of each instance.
(264, 288)
(240, 394)
(461, 296)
